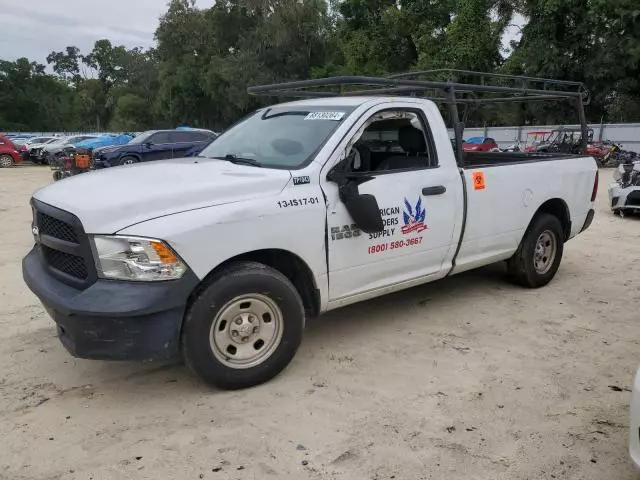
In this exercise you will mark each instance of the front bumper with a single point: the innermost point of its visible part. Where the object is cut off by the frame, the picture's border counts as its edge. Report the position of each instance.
(99, 163)
(113, 320)
(627, 198)
(634, 422)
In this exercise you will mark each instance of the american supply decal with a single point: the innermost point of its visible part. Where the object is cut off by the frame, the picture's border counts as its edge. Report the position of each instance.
(414, 218)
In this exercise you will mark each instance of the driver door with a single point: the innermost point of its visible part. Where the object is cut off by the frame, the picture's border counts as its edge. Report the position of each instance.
(417, 201)
(159, 147)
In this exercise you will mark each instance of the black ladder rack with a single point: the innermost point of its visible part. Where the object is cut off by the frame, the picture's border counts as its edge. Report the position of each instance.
(450, 86)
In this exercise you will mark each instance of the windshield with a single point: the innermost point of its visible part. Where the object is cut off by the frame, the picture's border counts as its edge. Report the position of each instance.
(142, 138)
(279, 137)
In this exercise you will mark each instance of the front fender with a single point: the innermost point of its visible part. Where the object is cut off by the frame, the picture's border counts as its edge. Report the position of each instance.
(208, 237)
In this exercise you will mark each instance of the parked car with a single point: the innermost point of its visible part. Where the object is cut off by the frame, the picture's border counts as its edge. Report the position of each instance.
(106, 140)
(152, 145)
(19, 141)
(289, 213)
(32, 144)
(9, 154)
(51, 150)
(480, 144)
(37, 152)
(34, 151)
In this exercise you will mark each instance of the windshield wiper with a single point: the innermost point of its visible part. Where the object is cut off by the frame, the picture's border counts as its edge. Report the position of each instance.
(233, 158)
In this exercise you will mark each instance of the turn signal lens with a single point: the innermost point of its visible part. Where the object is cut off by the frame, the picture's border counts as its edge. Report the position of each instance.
(164, 254)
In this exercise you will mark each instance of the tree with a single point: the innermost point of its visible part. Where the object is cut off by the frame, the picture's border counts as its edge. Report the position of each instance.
(473, 39)
(31, 99)
(206, 58)
(67, 64)
(376, 36)
(131, 113)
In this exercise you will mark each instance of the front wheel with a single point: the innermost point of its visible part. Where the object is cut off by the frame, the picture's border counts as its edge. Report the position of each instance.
(128, 160)
(538, 257)
(6, 161)
(244, 327)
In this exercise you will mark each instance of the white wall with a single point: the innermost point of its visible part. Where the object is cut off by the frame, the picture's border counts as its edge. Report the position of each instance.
(628, 134)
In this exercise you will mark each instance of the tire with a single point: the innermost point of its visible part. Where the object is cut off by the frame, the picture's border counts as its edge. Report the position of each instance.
(258, 297)
(57, 175)
(6, 161)
(128, 160)
(546, 237)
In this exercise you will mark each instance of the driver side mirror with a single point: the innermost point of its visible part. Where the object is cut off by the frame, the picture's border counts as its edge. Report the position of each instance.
(148, 144)
(365, 212)
(363, 208)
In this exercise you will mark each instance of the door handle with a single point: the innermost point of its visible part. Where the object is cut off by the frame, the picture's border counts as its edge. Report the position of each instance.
(439, 190)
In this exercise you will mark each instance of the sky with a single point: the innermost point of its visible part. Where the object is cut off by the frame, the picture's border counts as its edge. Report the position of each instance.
(34, 28)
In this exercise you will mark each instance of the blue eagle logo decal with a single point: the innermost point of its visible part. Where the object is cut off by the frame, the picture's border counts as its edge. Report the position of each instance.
(414, 217)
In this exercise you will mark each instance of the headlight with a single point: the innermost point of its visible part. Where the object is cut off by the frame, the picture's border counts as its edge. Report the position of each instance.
(136, 259)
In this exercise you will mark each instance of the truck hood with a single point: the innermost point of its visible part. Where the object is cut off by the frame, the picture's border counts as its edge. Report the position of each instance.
(109, 200)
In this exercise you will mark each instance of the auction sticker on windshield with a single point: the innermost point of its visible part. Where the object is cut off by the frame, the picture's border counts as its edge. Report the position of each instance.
(335, 116)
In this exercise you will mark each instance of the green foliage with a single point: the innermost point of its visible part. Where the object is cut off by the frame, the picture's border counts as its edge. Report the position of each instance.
(206, 58)
(130, 113)
(473, 41)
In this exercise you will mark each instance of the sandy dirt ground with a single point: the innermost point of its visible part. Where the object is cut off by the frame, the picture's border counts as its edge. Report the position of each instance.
(467, 378)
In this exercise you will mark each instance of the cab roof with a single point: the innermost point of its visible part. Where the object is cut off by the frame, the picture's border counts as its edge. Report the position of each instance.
(345, 101)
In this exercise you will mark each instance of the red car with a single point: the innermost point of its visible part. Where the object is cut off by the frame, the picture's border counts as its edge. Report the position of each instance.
(9, 154)
(597, 149)
(480, 144)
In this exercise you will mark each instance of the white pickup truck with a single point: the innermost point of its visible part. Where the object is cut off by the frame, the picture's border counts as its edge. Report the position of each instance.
(298, 209)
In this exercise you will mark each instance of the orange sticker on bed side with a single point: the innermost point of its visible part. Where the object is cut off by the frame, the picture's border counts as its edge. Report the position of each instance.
(478, 181)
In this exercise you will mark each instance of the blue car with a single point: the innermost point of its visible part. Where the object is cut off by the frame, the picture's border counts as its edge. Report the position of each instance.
(153, 145)
(106, 140)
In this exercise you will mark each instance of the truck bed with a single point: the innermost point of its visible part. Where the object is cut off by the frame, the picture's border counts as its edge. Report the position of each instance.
(496, 159)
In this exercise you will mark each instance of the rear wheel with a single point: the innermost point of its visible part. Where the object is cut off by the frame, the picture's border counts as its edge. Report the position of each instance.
(538, 257)
(128, 160)
(244, 327)
(6, 161)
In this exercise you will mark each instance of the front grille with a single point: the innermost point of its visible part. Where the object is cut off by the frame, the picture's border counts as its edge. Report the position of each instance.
(633, 199)
(63, 245)
(65, 262)
(56, 228)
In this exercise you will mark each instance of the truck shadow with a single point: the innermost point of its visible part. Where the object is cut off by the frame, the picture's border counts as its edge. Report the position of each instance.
(153, 381)
(432, 295)
(347, 321)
